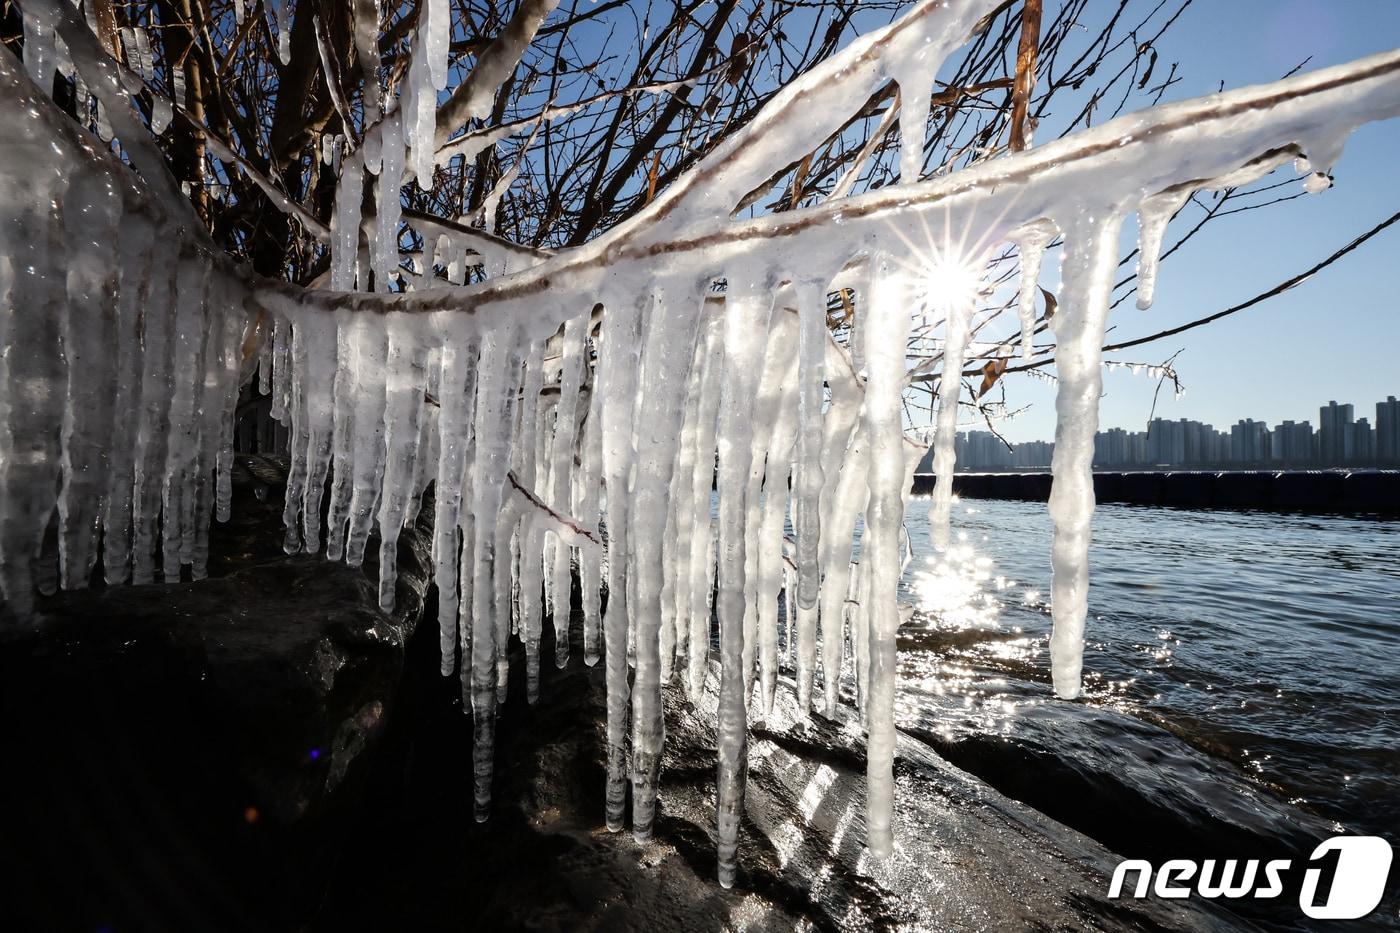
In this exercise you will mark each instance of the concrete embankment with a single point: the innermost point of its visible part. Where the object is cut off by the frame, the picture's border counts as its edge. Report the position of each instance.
(1376, 491)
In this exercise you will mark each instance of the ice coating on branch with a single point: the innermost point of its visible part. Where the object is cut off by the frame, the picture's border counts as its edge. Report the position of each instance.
(491, 391)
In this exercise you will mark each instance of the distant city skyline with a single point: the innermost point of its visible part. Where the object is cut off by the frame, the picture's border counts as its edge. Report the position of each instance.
(1339, 439)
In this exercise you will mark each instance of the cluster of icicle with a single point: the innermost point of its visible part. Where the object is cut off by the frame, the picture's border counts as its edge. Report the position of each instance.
(571, 409)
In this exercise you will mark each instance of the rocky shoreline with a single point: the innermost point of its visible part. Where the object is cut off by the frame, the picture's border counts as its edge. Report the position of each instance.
(266, 750)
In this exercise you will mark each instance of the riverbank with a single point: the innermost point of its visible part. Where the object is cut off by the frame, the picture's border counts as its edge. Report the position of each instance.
(265, 750)
(1321, 491)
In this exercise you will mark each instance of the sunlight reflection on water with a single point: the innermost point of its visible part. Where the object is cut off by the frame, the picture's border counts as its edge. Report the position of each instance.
(1260, 639)
(979, 667)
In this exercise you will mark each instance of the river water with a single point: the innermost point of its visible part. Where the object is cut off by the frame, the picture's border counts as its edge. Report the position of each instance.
(1242, 672)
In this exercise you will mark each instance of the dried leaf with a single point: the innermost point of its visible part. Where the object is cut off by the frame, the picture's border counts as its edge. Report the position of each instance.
(990, 374)
(799, 179)
(1147, 75)
(1051, 304)
(738, 58)
(651, 175)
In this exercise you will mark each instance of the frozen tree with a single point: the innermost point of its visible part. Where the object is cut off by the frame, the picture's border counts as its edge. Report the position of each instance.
(571, 312)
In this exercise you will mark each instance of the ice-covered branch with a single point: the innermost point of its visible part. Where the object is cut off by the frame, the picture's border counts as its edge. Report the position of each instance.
(472, 98)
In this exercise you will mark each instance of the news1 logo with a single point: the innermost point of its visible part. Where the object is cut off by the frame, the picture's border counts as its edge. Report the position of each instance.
(1348, 874)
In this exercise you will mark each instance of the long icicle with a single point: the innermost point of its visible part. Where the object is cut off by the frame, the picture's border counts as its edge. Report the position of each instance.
(887, 334)
(1090, 258)
(670, 328)
(747, 309)
(618, 363)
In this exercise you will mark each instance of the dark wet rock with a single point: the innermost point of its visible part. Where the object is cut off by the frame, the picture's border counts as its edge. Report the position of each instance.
(183, 755)
(969, 857)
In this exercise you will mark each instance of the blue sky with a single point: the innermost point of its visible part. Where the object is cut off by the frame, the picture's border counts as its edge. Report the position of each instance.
(1336, 336)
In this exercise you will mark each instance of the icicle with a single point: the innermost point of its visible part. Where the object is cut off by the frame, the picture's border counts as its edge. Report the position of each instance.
(91, 211)
(747, 309)
(526, 464)
(846, 504)
(811, 341)
(702, 540)
(419, 101)
(887, 337)
(561, 473)
(457, 397)
(345, 224)
(239, 11)
(618, 363)
(959, 314)
(1153, 215)
(500, 361)
(406, 378)
(153, 423)
(1032, 241)
(385, 253)
(281, 368)
(369, 360)
(669, 330)
(161, 113)
(315, 351)
(914, 91)
(586, 507)
(1090, 258)
(39, 53)
(283, 11)
(439, 38)
(367, 50)
(135, 262)
(31, 277)
(236, 327)
(183, 439)
(680, 519)
(770, 530)
(777, 371)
